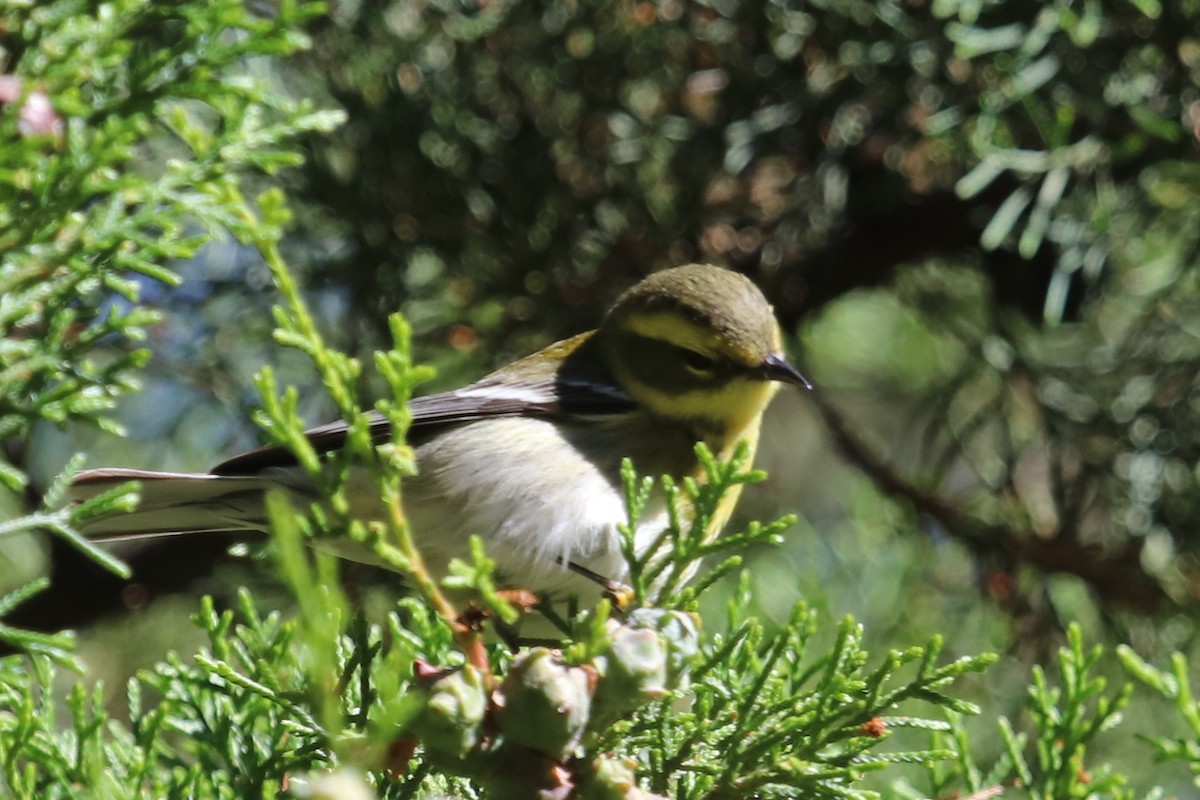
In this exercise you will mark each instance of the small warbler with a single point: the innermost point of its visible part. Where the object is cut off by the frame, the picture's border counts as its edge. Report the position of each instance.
(529, 457)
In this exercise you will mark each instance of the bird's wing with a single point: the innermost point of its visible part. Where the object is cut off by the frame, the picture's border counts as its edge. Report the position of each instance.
(556, 395)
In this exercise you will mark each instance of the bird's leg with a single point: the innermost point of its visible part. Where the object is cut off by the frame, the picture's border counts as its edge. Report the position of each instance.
(473, 617)
(620, 595)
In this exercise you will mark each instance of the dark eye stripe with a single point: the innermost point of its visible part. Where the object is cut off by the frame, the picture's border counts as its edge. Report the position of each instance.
(671, 368)
(688, 356)
(699, 361)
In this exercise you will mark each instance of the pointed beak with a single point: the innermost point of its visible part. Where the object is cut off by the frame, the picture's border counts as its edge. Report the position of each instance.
(776, 367)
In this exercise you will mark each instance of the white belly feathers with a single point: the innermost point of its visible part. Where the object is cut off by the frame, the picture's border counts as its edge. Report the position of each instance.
(530, 515)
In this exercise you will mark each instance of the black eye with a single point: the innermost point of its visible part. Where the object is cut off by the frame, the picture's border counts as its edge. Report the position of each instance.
(698, 362)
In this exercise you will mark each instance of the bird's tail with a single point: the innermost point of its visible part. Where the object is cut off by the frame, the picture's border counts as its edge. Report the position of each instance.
(175, 503)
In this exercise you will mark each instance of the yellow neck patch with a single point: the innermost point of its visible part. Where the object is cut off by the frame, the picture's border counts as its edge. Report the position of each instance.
(723, 413)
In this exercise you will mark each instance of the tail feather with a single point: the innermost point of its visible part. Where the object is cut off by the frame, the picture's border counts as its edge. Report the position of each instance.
(175, 503)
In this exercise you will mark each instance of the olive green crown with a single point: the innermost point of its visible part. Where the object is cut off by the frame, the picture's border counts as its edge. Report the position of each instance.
(720, 300)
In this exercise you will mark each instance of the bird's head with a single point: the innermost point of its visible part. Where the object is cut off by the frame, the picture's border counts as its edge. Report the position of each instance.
(699, 344)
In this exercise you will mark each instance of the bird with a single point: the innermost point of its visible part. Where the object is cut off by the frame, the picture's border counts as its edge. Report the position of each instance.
(529, 457)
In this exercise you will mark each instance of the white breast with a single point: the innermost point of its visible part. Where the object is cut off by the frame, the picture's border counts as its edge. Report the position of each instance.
(532, 497)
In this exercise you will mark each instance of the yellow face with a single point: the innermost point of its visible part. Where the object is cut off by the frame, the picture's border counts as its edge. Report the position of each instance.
(684, 371)
(700, 346)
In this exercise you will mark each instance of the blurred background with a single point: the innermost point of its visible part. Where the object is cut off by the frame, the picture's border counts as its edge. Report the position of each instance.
(977, 219)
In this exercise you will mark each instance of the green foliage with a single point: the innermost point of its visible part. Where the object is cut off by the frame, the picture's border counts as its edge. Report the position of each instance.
(85, 212)
(1174, 686)
(130, 130)
(658, 575)
(987, 171)
(503, 153)
(151, 124)
(580, 141)
(1052, 760)
(268, 698)
(774, 715)
(213, 729)
(558, 717)
(421, 699)
(1048, 116)
(53, 647)
(1065, 725)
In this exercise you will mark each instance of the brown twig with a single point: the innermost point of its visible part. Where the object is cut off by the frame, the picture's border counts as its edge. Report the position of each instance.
(986, 793)
(468, 637)
(1115, 577)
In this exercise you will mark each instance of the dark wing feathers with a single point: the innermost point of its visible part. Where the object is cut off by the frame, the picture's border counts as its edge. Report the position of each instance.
(553, 397)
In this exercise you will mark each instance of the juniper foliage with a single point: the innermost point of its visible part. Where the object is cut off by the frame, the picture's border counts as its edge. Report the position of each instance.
(134, 132)
(131, 131)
